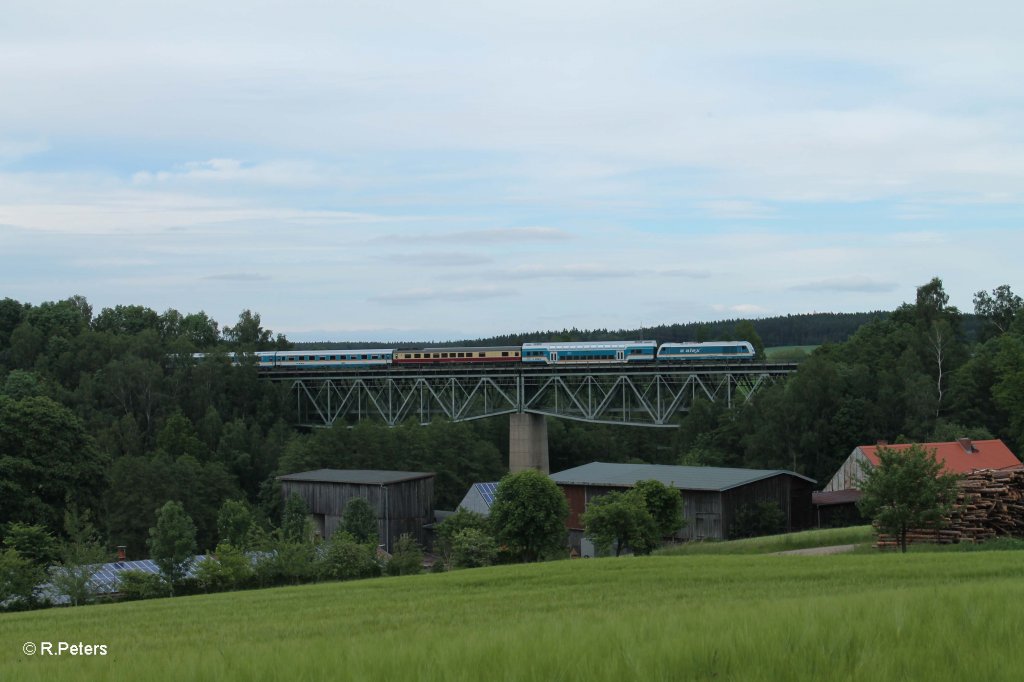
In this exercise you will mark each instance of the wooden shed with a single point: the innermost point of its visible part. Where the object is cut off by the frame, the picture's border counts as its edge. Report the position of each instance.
(711, 495)
(403, 500)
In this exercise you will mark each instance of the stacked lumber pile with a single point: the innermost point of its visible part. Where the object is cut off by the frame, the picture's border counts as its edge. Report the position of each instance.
(989, 504)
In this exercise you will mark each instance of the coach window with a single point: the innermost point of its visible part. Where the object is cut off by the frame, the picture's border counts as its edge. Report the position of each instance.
(504, 353)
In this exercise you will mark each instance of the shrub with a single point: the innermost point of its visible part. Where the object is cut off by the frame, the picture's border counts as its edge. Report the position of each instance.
(228, 568)
(18, 580)
(471, 548)
(346, 559)
(286, 563)
(461, 520)
(407, 559)
(136, 585)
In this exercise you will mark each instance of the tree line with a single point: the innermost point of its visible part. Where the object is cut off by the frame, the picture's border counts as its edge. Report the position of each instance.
(110, 415)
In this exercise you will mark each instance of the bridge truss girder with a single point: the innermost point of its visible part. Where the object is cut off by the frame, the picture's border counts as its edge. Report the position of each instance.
(322, 401)
(612, 396)
(637, 399)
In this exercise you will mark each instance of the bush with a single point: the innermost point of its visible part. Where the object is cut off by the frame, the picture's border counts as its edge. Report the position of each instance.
(444, 542)
(286, 563)
(763, 518)
(18, 580)
(346, 559)
(472, 548)
(228, 568)
(136, 585)
(407, 559)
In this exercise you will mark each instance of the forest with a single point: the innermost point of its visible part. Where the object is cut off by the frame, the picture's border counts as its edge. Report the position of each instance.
(109, 414)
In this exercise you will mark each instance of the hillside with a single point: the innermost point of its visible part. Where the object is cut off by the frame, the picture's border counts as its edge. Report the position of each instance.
(863, 617)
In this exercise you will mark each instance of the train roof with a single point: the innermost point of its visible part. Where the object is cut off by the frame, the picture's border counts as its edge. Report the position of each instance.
(449, 349)
(673, 344)
(584, 345)
(336, 351)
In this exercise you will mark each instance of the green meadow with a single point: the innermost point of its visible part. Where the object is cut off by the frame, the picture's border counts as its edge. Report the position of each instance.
(926, 616)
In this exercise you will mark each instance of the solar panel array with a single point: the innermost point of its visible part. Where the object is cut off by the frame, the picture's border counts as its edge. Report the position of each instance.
(106, 578)
(487, 491)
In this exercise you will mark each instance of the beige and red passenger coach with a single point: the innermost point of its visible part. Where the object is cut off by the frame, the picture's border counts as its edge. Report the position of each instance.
(435, 356)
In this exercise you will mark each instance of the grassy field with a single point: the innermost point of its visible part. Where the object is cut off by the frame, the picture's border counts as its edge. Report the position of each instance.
(844, 617)
(857, 535)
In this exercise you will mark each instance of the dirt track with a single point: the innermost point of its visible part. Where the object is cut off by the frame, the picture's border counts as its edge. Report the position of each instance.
(812, 551)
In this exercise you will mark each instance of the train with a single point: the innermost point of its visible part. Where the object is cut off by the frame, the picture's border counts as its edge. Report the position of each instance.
(544, 353)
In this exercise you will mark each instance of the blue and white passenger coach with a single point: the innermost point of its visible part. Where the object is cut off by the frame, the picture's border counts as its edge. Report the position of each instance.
(582, 352)
(363, 357)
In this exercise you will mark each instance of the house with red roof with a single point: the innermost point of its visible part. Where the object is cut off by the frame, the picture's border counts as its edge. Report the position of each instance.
(962, 456)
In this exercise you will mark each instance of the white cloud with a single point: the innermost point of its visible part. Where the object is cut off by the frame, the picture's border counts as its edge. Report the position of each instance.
(240, 277)
(360, 158)
(419, 295)
(583, 271)
(847, 284)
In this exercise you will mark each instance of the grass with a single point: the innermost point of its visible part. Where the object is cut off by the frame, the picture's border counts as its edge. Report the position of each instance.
(922, 616)
(857, 535)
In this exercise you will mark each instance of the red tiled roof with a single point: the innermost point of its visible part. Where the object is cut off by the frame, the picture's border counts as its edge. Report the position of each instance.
(985, 454)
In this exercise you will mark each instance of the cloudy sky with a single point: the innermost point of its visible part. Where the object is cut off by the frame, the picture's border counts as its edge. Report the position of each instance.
(435, 170)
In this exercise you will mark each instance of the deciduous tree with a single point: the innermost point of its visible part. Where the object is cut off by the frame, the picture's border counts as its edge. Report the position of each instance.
(664, 504)
(360, 521)
(906, 490)
(618, 520)
(528, 515)
(172, 543)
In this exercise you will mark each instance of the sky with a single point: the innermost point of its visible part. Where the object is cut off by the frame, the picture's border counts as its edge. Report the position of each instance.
(443, 170)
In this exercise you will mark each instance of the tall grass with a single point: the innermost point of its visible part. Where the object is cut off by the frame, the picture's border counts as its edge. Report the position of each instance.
(846, 617)
(778, 543)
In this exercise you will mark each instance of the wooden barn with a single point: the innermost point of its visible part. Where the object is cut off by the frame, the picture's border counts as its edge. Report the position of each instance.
(711, 495)
(403, 500)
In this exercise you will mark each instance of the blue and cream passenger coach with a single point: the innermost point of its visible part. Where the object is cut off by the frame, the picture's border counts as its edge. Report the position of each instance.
(589, 351)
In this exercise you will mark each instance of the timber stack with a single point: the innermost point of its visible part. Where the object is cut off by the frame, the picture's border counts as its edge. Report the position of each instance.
(989, 504)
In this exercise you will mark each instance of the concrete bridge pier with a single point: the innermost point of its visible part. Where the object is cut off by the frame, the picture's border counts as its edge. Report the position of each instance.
(528, 442)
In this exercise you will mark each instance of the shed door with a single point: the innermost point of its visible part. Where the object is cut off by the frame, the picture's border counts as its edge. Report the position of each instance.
(708, 525)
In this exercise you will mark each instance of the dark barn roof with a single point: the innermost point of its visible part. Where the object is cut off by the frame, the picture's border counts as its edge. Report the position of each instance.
(356, 476)
(680, 477)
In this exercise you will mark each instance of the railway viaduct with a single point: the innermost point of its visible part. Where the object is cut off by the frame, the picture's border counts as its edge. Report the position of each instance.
(642, 396)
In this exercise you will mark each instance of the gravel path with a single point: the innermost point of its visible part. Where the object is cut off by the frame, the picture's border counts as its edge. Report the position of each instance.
(812, 551)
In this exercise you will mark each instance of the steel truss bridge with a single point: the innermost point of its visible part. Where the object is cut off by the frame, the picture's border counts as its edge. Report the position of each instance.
(631, 395)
